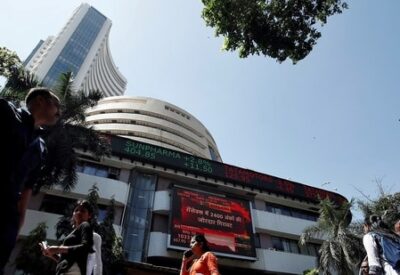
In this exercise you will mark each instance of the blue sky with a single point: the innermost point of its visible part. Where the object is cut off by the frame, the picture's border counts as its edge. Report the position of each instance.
(331, 121)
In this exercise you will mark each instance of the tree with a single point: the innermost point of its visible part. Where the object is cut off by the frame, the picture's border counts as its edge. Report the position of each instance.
(111, 249)
(341, 249)
(30, 260)
(275, 28)
(69, 133)
(385, 205)
(18, 80)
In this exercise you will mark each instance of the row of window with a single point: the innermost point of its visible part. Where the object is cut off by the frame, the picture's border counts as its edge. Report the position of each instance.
(292, 212)
(176, 111)
(93, 169)
(292, 246)
(152, 114)
(288, 245)
(75, 50)
(58, 205)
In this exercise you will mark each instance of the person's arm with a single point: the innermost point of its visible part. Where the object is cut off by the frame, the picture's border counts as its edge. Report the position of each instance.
(186, 264)
(212, 264)
(86, 245)
(23, 204)
(53, 251)
(371, 248)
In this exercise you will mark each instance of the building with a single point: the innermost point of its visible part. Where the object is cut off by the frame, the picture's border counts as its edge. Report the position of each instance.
(155, 122)
(166, 174)
(169, 185)
(252, 220)
(81, 47)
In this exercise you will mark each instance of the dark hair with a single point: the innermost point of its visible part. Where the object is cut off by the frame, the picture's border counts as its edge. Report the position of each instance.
(40, 91)
(201, 239)
(85, 204)
(375, 222)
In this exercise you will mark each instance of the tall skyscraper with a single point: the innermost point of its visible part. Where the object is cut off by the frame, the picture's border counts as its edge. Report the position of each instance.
(81, 47)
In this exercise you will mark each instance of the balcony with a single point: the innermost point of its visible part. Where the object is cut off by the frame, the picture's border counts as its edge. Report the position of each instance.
(269, 222)
(279, 261)
(267, 260)
(107, 187)
(162, 202)
(34, 217)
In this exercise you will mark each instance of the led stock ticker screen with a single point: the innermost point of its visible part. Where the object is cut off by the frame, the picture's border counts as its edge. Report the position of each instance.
(225, 222)
(177, 160)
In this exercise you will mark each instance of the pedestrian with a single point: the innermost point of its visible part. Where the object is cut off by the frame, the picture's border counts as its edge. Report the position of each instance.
(396, 227)
(72, 255)
(364, 269)
(377, 235)
(95, 263)
(22, 156)
(199, 259)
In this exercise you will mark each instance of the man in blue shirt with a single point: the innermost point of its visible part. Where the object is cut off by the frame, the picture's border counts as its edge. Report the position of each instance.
(22, 153)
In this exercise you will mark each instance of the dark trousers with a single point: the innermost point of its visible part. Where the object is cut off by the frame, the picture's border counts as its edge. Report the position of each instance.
(8, 238)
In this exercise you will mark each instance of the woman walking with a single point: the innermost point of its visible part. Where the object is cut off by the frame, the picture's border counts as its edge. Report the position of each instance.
(72, 255)
(199, 260)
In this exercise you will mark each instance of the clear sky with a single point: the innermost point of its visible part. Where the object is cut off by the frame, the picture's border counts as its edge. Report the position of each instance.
(331, 121)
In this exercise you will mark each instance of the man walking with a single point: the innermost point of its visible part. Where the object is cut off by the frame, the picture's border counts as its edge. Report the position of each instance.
(22, 153)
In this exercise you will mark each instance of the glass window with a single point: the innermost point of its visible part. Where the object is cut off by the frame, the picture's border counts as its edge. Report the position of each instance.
(285, 211)
(286, 245)
(257, 242)
(101, 172)
(79, 168)
(76, 49)
(56, 204)
(89, 170)
(277, 243)
(138, 216)
(313, 249)
(294, 248)
(97, 170)
(288, 211)
(304, 250)
(212, 153)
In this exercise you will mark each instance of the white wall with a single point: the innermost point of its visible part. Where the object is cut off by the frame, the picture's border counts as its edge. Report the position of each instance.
(34, 217)
(269, 260)
(269, 222)
(162, 202)
(107, 187)
(280, 261)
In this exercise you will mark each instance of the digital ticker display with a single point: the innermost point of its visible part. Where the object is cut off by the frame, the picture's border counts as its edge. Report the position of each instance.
(177, 160)
(225, 222)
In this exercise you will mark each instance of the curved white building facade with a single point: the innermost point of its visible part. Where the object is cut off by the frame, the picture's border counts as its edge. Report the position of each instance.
(81, 47)
(153, 121)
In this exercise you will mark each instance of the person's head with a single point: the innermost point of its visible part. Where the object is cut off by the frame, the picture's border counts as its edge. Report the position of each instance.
(396, 227)
(374, 222)
(83, 212)
(44, 106)
(199, 244)
(364, 268)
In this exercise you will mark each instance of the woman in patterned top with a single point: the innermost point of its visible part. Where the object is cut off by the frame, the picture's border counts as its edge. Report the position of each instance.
(202, 261)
